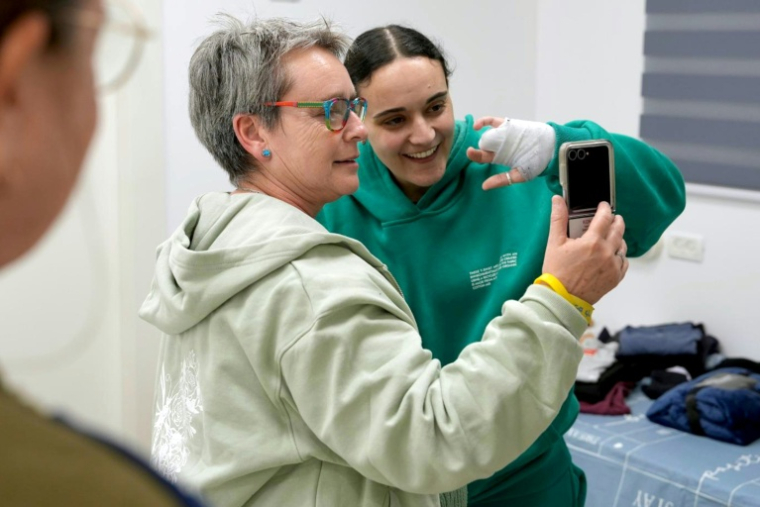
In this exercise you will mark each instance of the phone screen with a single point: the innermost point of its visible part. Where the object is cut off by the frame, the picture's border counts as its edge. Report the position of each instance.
(588, 174)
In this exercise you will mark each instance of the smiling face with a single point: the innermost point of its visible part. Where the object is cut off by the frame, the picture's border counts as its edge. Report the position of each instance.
(410, 121)
(316, 165)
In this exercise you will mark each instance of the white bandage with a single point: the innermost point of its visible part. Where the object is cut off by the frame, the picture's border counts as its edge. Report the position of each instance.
(525, 145)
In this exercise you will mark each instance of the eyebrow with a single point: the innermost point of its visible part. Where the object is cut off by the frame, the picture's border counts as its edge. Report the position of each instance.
(340, 95)
(399, 109)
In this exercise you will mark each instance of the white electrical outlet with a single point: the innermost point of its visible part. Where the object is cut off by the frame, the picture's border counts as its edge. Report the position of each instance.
(687, 246)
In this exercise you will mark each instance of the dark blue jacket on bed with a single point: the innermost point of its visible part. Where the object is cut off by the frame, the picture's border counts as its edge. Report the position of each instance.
(723, 404)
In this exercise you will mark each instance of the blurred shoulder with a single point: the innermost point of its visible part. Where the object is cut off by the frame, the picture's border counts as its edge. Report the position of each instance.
(46, 462)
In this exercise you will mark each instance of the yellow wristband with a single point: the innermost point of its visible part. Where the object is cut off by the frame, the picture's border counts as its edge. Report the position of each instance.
(553, 283)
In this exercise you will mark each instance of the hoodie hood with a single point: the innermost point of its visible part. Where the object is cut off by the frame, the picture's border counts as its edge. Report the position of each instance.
(386, 201)
(225, 244)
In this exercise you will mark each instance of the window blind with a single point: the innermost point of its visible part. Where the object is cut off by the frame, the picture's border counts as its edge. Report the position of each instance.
(701, 88)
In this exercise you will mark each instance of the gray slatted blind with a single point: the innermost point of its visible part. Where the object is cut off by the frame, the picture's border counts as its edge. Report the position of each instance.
(701, 88)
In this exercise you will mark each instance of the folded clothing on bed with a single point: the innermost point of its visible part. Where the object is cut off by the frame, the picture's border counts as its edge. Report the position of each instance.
(597, 358)
(695, 363)
(662, 340)
(723, 404)
(663, 381)
(594, 392)
(634, 367)
(612, 404)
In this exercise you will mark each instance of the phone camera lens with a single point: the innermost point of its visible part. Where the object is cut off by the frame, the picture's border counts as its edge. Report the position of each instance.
(572, 155)
(581, 154)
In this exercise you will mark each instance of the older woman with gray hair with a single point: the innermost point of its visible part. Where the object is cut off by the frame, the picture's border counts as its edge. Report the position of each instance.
(291, 369)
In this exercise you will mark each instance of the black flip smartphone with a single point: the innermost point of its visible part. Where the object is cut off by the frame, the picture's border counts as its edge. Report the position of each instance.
(587, 175)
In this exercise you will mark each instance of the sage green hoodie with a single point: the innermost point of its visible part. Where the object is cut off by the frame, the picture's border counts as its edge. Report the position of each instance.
(292, 371)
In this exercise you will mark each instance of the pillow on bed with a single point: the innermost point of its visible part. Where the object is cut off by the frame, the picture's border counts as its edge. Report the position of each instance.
(723, 404)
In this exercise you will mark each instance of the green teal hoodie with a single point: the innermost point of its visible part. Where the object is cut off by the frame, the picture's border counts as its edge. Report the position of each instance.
(460, 250)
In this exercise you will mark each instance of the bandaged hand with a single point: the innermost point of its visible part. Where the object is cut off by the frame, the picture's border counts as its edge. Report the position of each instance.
(525, 146)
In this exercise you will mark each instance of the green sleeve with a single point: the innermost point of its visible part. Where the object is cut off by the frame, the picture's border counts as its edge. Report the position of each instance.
(649, 188)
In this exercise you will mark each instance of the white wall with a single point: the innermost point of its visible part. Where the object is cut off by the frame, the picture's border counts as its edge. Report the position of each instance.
(720, 292)
(590, 62)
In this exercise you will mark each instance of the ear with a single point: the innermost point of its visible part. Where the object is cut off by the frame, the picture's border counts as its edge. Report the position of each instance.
(252, 135)
(22, 45)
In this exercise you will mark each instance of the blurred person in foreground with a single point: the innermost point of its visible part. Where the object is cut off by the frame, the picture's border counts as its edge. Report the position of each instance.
(47, 118)
(291, 369)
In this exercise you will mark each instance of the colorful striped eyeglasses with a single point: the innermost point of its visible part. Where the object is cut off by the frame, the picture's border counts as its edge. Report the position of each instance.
(337, 110)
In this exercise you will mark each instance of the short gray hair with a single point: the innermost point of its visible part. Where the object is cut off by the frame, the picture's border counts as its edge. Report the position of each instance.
(238, 68)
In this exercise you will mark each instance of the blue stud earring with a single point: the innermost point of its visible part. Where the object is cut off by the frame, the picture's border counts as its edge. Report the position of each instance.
(266, 153)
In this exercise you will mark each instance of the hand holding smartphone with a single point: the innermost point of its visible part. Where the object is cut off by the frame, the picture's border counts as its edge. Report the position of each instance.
(587, 176)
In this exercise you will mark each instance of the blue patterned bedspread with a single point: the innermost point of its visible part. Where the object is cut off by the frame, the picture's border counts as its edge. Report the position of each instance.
(632, 462)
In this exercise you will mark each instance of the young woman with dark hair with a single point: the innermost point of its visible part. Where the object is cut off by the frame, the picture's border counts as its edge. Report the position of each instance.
(457, 251)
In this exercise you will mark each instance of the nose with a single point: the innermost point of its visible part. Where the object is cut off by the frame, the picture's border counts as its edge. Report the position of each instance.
(355, 129)
(422, 132)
